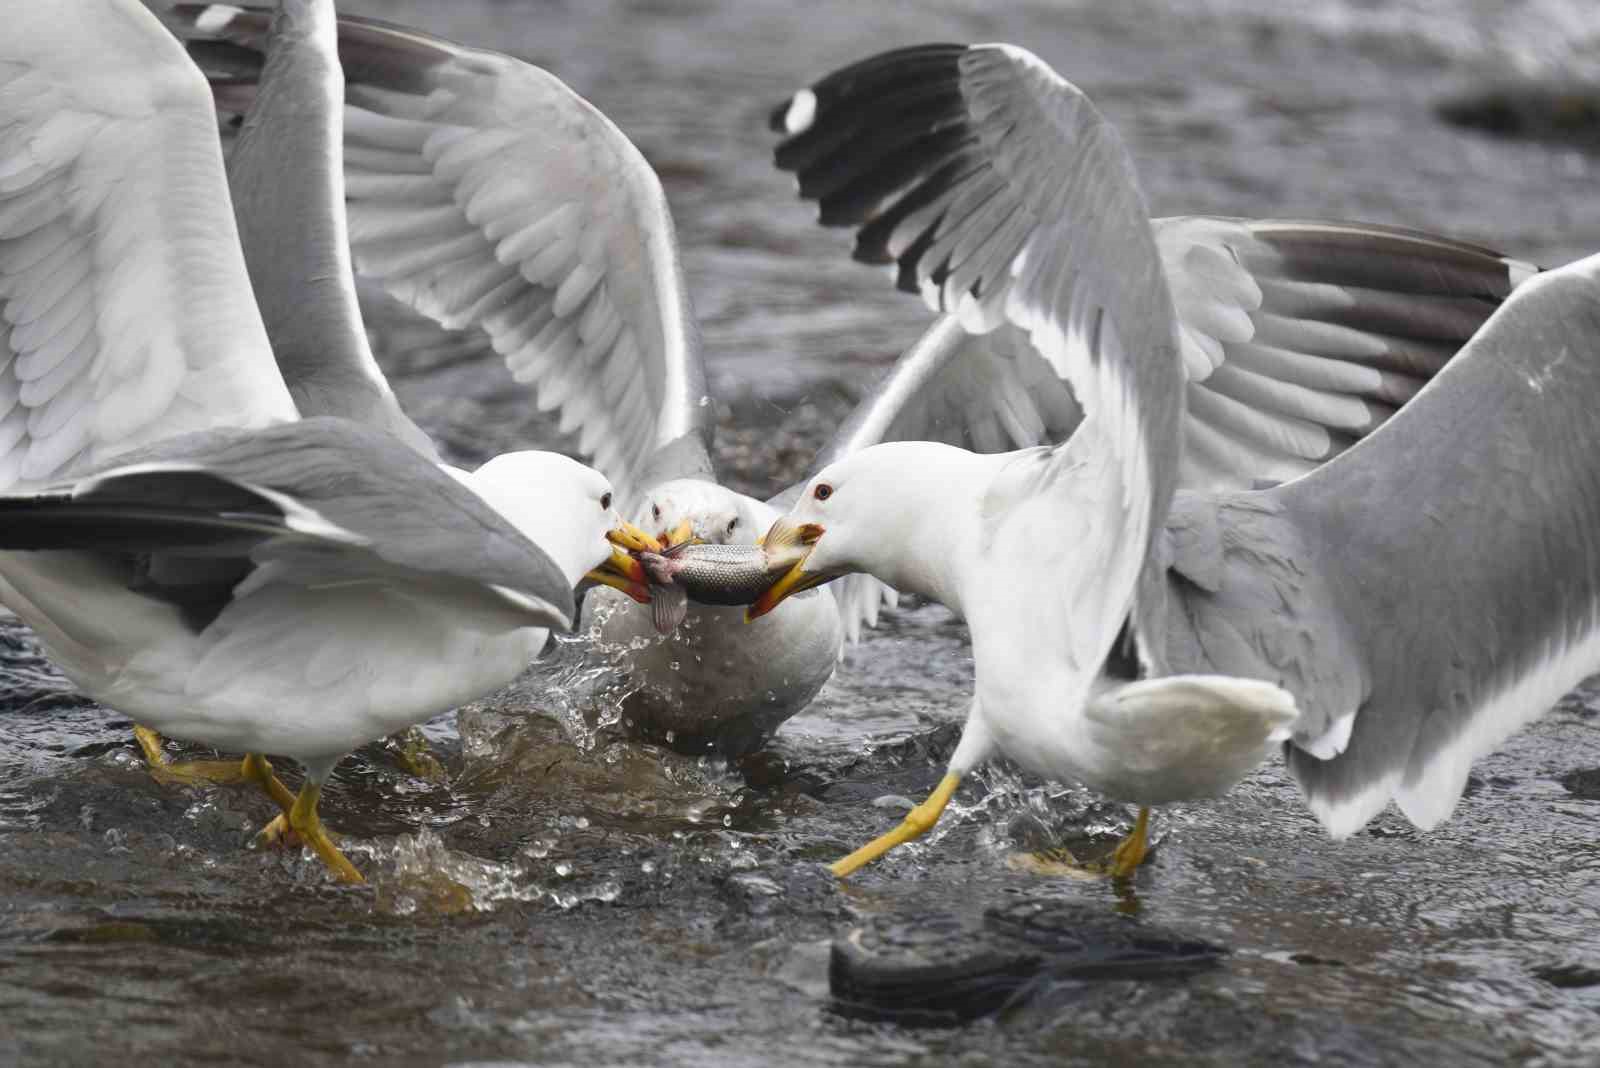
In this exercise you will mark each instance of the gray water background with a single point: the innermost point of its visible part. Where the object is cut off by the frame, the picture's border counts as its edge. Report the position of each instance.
(573, 897)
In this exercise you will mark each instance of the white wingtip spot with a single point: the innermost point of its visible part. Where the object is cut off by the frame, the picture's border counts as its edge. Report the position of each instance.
(1520, 272)
(802, 112)
(216, 17)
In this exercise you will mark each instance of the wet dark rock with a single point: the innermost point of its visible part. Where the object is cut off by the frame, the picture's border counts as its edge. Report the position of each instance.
(1584, 783)
(1560, 114)
(943, 968)
(1315, 961)
(764, 770)
(106, 933)
(1569, 975)
(1477, 783)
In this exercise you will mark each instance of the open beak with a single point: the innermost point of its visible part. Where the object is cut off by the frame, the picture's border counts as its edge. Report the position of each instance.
(788, 542)
(631, 539)
(620, 570)
(678, 535)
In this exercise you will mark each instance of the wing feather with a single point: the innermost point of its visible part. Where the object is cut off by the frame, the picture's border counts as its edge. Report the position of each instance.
(1298, 337)
(486, 194)
(126, 309)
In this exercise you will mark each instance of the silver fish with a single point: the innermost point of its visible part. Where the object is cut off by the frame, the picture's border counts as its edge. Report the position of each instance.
(713, 574)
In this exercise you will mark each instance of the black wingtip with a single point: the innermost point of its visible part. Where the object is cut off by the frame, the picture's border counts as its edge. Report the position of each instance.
(867, 82)
(880, 143)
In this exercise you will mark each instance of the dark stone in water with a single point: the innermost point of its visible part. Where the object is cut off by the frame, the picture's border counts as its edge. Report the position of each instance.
(1312, 960)
(1569, 975)
(941, 969)
(1563, 114)
(1584, 783)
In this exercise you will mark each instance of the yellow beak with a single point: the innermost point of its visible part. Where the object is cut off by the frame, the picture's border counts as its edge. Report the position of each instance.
(683, 532)
(621, 571)
(632, 539)
(787, 540)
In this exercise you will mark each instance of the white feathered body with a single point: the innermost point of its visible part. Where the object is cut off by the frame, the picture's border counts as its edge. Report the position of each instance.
(717, 679)
(1042, 695)
(287, 670)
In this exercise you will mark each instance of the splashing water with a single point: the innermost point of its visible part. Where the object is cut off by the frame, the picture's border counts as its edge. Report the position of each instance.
(419, 874)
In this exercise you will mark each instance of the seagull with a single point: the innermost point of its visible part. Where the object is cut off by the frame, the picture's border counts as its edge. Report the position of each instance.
(1417, 597)
(469, 175)
(191, 550)
(484, 193)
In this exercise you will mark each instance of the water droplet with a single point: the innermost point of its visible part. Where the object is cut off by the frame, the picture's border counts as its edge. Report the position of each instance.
(672, 736)
(582, 823)
(563, 869)
(648, 867)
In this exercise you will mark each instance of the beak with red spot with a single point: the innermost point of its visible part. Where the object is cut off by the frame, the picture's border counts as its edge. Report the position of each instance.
(621, 571)
(791, 543)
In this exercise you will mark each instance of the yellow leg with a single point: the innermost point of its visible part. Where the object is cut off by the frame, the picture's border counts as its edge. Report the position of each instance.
(1120, 863)
(918, 822)
(256, 769)
(304, 821)
(150, 742)
(1131, 851)
(189, 772)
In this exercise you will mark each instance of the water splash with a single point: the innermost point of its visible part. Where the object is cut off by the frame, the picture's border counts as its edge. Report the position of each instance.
(420, 875)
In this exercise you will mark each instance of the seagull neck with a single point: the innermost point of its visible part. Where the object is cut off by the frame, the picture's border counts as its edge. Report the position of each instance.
(937, 557)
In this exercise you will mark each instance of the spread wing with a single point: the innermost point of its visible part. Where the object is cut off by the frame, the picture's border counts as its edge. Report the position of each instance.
(200, 519)
(1298, 337)
(1007, 200)
(485, 193)
(126, 313)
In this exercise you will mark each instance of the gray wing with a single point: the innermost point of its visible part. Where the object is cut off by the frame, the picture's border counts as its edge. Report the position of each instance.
(484, 192)
(1438, 585)
(286, 175)
(310, 503)
(125, 308)
(1298, 337)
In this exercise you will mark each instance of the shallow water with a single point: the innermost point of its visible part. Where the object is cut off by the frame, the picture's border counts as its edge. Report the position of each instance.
(573, 897)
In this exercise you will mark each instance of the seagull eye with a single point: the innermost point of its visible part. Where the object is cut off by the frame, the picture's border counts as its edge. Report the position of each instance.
(732, 523)
(605, 501)
(655, 511)
(822, 492)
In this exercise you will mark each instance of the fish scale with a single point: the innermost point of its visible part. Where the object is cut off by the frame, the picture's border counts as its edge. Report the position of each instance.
(715, 574)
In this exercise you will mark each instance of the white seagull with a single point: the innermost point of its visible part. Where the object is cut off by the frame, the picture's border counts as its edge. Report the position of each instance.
(1420, 596)
(470, 175)
(484, 193)
(189, 549)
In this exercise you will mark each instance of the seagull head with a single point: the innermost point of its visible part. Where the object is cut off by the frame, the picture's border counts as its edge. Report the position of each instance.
(899, 511)
(566, 509)
(687, 509)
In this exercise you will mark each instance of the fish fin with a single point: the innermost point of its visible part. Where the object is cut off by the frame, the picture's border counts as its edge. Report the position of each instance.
(668, 606)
